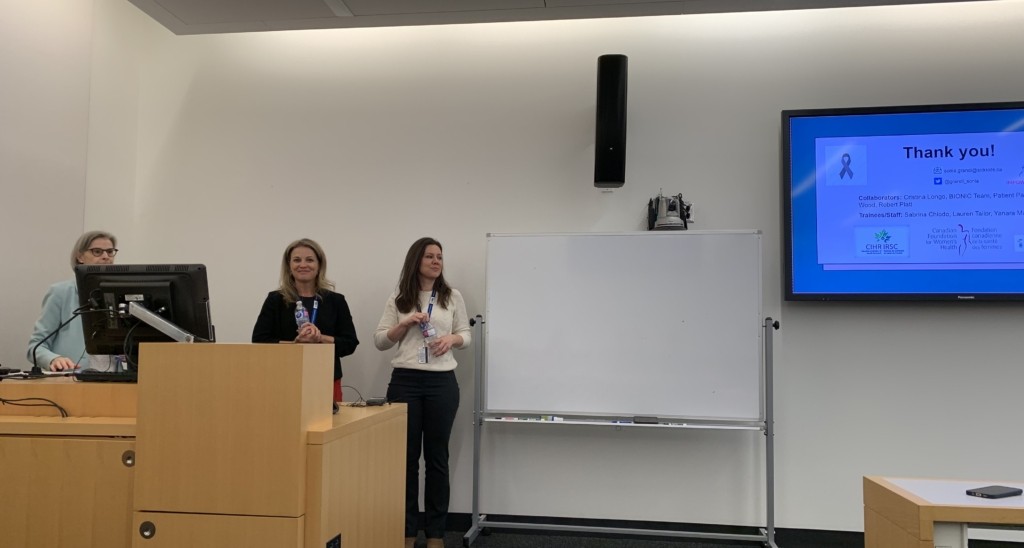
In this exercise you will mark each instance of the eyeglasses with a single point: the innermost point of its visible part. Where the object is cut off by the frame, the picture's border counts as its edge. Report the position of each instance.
(97, 252)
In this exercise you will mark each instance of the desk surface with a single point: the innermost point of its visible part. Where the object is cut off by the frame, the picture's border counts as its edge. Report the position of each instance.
(353, 419)
(953, 492)
(348, 421)
(108, 409)
(913, 505)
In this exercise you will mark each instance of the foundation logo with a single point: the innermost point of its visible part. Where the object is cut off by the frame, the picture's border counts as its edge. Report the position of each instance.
(882, 242)
(965, 240)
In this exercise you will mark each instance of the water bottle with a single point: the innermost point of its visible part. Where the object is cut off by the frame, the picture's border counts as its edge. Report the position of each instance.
(301, 315)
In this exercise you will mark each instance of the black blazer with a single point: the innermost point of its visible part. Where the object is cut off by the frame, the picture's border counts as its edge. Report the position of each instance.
(277, 323)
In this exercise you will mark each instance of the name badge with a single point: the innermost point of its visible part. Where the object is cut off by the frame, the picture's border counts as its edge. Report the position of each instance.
(422, 355)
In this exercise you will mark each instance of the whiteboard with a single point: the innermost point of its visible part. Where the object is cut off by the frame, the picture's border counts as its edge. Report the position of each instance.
(648, 323)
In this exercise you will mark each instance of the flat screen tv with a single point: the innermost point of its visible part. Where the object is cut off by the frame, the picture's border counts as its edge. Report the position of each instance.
(904, 203)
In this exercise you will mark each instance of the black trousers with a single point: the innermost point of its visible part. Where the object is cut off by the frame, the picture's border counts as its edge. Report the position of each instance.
(433, 399)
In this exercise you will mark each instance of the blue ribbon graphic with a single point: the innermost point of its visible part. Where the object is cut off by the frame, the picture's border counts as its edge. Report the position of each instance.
(846, 167)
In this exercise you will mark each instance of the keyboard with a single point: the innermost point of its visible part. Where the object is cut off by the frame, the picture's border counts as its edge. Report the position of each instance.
(92, 375)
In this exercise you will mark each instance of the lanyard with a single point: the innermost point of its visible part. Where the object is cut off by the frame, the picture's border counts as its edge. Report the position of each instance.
(428, 331)
(316, 303)
(430, 307)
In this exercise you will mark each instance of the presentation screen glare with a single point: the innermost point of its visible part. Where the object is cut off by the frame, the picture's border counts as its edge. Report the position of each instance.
(904, 203)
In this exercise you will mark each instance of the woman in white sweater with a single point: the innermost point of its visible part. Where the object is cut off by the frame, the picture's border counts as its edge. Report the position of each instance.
(427, 319)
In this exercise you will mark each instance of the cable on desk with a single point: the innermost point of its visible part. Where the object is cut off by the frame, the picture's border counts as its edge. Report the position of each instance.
(358, 403)
(25, 377)
(46, 403)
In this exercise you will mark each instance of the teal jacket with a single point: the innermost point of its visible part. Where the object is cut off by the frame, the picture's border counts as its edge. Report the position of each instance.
(58, 304)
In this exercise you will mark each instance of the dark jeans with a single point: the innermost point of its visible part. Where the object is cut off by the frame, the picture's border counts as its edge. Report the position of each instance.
(433, 399)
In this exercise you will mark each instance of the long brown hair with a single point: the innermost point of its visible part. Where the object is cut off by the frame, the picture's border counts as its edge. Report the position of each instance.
(287, 289)
(409, 284)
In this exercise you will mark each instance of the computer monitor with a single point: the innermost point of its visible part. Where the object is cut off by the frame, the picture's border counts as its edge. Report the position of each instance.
(176, 293)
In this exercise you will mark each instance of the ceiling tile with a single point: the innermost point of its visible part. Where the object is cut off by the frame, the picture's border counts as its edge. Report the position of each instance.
(217, 16)
(205, 12)
(394, 7)
(563, 3)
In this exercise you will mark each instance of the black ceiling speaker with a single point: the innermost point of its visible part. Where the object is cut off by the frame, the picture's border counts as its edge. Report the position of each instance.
(610, 141)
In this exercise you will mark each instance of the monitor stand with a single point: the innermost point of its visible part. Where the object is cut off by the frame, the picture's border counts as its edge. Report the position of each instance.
(155, 321)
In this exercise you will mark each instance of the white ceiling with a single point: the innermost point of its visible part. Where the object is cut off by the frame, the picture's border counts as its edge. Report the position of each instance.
(219, 16)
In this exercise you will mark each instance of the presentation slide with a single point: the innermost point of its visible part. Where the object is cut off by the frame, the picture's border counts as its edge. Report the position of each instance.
(927, 202)
(921, 201)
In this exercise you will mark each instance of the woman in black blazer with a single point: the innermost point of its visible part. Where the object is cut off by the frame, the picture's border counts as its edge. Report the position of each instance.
(304, 279)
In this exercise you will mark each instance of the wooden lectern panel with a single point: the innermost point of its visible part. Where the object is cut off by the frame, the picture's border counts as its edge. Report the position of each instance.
(64, 492)
(882, 533)
(357, 479)
(209, 531)
(222, 427)
(71, 427)
(79, 399)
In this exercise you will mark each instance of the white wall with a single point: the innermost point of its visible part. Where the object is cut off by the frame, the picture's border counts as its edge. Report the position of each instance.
(123, 39)
(44, 117)
(367, 139)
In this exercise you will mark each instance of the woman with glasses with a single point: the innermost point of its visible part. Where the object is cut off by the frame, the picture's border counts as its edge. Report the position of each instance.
(305, 309)
(66, 349)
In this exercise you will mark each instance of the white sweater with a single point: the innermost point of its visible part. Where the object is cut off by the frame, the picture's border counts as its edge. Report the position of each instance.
(446, 321)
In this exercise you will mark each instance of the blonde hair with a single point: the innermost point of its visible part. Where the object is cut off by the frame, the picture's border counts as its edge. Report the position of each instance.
(85, 240)
(288, 289)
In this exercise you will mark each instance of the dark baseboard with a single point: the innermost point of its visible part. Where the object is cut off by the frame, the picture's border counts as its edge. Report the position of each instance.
(784, 538)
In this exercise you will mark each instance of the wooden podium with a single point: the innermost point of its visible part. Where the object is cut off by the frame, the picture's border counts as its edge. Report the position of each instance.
(234, 444)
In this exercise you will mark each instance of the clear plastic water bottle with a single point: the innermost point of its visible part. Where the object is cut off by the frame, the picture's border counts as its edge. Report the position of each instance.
(301, 315)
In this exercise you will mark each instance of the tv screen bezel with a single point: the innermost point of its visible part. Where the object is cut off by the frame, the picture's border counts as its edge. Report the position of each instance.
(787, 204)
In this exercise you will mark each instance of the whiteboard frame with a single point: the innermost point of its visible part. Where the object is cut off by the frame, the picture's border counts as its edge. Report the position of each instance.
(480, 522)
(710, 421)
